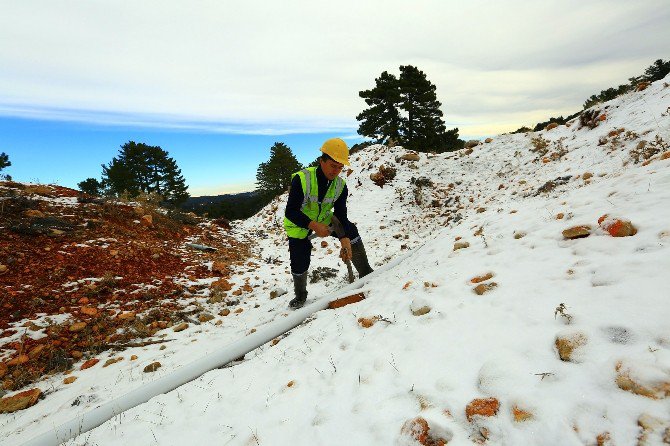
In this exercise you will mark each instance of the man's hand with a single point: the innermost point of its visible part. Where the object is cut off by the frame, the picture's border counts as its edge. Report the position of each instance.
(345, 252)
(320, 229)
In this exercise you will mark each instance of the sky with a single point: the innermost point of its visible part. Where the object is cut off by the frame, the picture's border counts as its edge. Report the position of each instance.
(216, 83)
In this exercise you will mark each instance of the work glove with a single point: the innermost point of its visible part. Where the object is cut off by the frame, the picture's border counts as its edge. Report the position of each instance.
(345, 251)
(320, 229)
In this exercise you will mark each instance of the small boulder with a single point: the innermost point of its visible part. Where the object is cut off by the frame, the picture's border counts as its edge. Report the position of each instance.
(567, 343)
(90, 363)
(482, 407)
(484, 288)
(472, 143)
(205, 317)
(411, 157)
(367, 322)
(576, 232)
(69, 380)
(152, 367)
(277, 292)
(224, 312)
(617, 227)
(488, 140)
(77, 327)
(419, 307)
(20, 401)
(587, 175)
(483, 278)
(181, 327)
(461, 245)
(89, 311)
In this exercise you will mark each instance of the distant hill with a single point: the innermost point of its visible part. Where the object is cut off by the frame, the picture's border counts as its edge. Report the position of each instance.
(231, 206)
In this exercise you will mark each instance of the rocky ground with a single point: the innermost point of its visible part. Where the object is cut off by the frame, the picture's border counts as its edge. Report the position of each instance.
(84, 275)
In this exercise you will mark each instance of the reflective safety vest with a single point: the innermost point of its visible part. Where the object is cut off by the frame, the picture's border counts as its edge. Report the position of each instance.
(320, 212)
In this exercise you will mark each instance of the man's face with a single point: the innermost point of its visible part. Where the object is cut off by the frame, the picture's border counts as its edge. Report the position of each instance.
(331, 168)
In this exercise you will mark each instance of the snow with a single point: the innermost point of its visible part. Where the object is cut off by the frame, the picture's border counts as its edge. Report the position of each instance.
(331, 381)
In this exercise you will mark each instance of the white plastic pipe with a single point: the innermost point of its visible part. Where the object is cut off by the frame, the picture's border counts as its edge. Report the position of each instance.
(99, 415)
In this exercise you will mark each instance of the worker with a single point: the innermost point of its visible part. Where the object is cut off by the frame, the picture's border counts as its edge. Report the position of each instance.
(317, 199)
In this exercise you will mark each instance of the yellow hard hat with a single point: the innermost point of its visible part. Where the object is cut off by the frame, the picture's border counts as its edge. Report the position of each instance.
(337, 149)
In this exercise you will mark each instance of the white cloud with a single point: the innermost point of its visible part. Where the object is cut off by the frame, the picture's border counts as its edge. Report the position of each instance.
(292, 66)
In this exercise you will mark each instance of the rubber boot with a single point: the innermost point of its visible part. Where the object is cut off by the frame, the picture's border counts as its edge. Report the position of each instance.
(300, 287)
(360, 259)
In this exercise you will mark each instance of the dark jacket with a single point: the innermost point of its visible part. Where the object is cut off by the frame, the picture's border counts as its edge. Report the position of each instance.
(296, 196)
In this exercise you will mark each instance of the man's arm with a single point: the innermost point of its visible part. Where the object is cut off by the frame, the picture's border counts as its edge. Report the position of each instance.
(340, 212)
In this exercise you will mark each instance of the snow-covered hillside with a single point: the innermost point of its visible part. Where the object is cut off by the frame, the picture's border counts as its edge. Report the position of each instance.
(494, 328)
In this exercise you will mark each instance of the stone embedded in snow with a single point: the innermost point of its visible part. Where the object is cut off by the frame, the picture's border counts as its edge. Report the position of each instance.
(77, 327)
(521, 415)
(367, 322)
(575, 232)
(222, 284)
(90, 363)
(111, 361)
(519, 234)
(488, 140)
(324, 244)
(617, 227)
(348, 300)
(482, 407)
(472, 143)
(567, 343)
(69, 380)
(410, 157)
(484, 288)
(417, 431)
(419, 307)
(277, 292)
(181, 327)
(461, 245)
(587, 175)
(133, 357)
(205, 317)
(152, 367)
(224, 312)
(20, 401)
(644, 380)
(483, 278)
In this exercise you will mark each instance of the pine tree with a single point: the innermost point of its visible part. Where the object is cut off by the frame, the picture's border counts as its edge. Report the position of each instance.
(143, 168)
(657, 71)
(381, 121)
(4, 160)
(423, 128)
(90, 186)
(274, 176)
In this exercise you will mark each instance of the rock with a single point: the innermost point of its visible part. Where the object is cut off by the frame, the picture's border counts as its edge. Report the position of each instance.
(33, 213)
(419, 307)
(19, 360)
(411, 157)
(519, 234)
(665, 155)
(220, 267)
(3, 269)
(290, 383)
(587, 175)
(576, 232)
(348, 300)
(36, 351)
(521, 415)
(488, 140)
(278, 292)
(367, 322)
(324, 244)
(483, 278)
(205, 317)
(133, 357)
(560, 216)
(472, 143)
(152, 367)
(645, 381)
(77, 327)
(480, 210)
(20, 401)
(90, 363)
(111, 361)
(551, 126)
(484, 287)
(76, 354)
(69, 380)
(642, 85)
(147, 220)
(222, 284)
(89, 311)
(181, 327)
(239, 310)
(461, 245)
(617, 227)
(567, 343)
(417, 431)
(128, 316)
(482, 407)
(224, 312)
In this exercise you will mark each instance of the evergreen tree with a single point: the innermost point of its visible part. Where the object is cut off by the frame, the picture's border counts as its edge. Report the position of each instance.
(4, 160)
(381, 121)
(143, 168)
(657, 71)
(274, 176)
(90, 186)
(424, 127)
